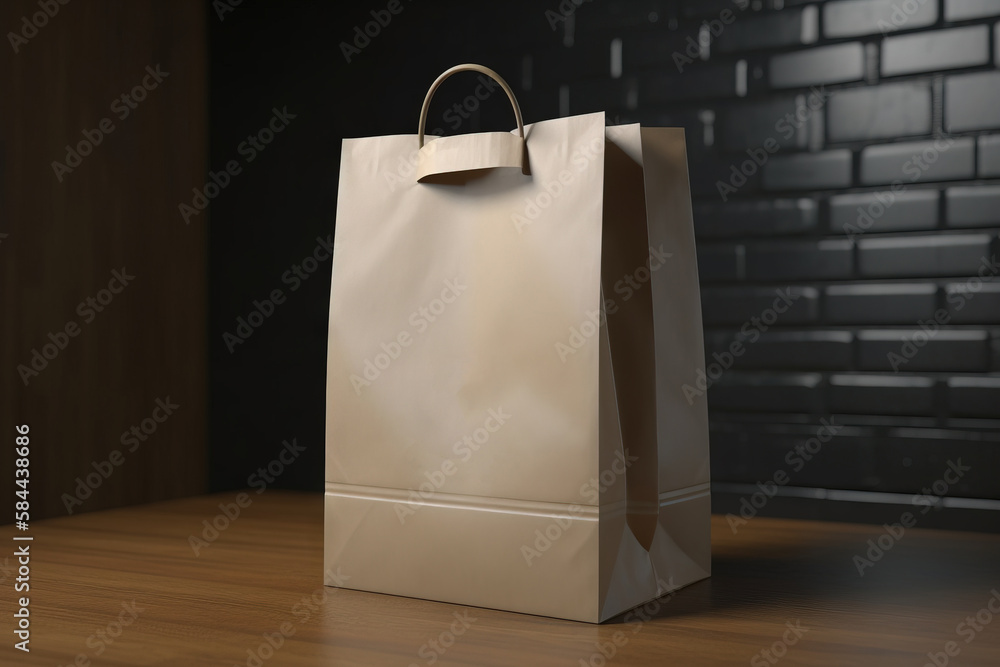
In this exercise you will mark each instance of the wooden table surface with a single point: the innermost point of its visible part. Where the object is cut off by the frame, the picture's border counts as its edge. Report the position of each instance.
(124, 587)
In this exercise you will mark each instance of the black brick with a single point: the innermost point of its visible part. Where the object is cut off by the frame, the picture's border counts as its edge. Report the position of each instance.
(963, 10)
(787, 350)
(879, 112)
(893, 303)
(721, 263)
(597, 95)
(855, 459)
(800, 260)
(714, 8)
(785, 392)
(902, 463)
(974, 396)
(597, 18)
(699, 81)
(693, 123)
(737, 305)
(539, 103)
(884, 211)
(968, 305)
(755, 218)
(657, 49)
(939, 255)
(564, 64)
(881, 394)
(906, 161)
(808, 171)
(827, 64)
(793, 27)
(887, 96)
(972, 101)
(989, 156)
(851, 18)
(938, 50)
(709, 174)
(750, 125)
(945, 350)
(996, 351)
(976, 206)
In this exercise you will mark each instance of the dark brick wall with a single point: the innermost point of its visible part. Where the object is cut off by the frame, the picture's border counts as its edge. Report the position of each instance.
(847, 151)
(871, 196)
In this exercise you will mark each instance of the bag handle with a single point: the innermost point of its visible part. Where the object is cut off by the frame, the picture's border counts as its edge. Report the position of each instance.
(468, 67)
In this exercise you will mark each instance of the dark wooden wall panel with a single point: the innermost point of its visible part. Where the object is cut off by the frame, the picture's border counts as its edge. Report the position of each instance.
(118, 208)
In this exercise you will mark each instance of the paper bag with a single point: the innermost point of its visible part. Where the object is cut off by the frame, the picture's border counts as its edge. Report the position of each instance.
(512, 318)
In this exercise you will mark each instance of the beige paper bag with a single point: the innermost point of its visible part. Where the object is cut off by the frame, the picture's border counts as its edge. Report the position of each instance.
(512, 318)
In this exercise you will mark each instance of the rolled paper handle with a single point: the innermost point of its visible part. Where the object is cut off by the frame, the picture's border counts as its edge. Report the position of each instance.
(468, 67)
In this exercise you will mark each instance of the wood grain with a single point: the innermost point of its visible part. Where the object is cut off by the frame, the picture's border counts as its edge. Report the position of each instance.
(213, 608)
(117, 208)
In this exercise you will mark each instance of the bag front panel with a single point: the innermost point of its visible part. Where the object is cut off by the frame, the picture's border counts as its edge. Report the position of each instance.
(455, 310)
